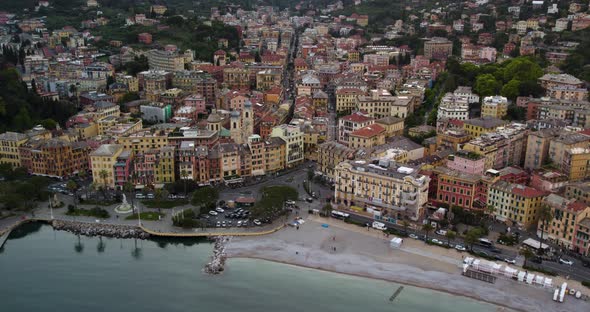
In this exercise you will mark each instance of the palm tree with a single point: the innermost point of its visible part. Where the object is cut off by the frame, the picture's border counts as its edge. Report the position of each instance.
(79, 247)
(527, 254)
(184, 176)
(545, 217)
(490, 209)
(406, 225)
(73, 187)
(472, 236)
(450, 236)
(103, 174)
(427, 228)
(128, 188)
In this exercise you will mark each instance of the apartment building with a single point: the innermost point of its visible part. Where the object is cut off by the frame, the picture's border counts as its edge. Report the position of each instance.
(567, 214)
(196, 82)
(9, 148)
(564, 142)
(267, 79)
(235, 77)
(367, 137)
(576, 163)
(494, 107)
(478, 126)
(54, 157)
(393, 125)
(456, 188)
(293, 137)
(351, 123)
(438, 48)
(537, 150)
(102, 164)
(384, 189)
(170, 61)
(515, 203)
(346, 98)
(382, 104)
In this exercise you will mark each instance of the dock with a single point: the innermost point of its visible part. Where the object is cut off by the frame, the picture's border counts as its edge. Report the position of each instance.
(3, 238)
(396, 293)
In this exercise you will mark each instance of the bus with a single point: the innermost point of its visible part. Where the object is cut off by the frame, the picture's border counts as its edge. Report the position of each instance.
(339, 215)
(485, 242)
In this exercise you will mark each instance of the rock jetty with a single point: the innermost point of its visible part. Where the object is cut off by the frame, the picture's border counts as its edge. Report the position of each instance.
(100, 229)
(217, 264)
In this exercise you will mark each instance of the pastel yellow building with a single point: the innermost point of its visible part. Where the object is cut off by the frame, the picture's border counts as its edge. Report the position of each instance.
(102, 162)
(576, 163)
(494, 107)
(9, 144)
(478, 126)
(515, 203)
(164, 169)
(144, 140)
(567, 214)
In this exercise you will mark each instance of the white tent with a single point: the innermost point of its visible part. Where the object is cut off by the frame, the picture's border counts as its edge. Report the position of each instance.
(535, 244)
(548, 282)
(539, 280)
(396, 242)
(509, 272)
(521, 276)
(530, 278)
(468, 260)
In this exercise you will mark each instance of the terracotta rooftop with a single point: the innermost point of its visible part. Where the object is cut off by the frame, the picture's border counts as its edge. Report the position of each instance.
(368, 131)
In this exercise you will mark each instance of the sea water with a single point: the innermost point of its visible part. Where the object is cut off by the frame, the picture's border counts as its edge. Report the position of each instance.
(46, 270)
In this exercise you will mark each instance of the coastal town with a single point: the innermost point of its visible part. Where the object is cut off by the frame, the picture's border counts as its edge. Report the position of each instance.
(448, 137)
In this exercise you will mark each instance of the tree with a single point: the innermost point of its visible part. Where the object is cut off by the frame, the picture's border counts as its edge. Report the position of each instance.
(490, 210)
(327, 209)
(204, 196)
(450, 236)
(103, 174)
(184, 176)
(406, 225)
(486, 85)
(511, 90)
(472, 237)
(73, 187)
(427, 228)
(128, 189)
(522, 69)
(527, 254)
(545, 216)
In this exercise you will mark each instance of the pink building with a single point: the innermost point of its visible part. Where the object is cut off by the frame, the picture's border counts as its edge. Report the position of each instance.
(467, 162)
(197, 101)
(123, 168)
(549, 181)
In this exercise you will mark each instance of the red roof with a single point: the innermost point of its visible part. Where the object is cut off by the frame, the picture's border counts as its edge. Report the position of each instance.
(349, 91)
(368, 131)
(526, 191)
(576, 206)
(219, 52)
(357, 117)
(585, 131)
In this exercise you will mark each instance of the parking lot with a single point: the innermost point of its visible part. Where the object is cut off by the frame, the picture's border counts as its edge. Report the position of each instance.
(224, 216)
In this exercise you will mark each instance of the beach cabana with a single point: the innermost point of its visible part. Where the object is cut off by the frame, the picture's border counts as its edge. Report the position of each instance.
(521, 276)
(509, 272)
(548, 282)
(530, 278)
(539, 280)
(396, 242)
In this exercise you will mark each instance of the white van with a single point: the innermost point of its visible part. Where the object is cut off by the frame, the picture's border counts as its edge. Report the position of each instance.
(379, 226)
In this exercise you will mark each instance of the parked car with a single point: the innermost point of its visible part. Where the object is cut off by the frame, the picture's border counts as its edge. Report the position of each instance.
(213, 213)
(218, 224)
(257, 222)
(239, 223)
(565, 261)
(219, 209)
(436, 241)
(414, 236)
(441, 232)
(460, 248)
(309, 200)
(511, 261)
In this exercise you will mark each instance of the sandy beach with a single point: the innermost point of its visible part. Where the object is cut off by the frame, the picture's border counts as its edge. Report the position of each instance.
(349, 249)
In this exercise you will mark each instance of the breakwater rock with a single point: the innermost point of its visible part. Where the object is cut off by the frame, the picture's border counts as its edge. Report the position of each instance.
(217, 264)
(100, 229)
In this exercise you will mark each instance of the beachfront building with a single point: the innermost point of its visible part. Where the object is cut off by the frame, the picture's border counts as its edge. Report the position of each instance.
(54, 157)
(382, 188)
(456, 188)
(102, 164)
(515, 203)
(567, 214)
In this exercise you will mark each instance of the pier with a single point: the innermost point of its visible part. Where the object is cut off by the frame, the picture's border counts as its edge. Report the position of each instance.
(396, 293)
(3, 238)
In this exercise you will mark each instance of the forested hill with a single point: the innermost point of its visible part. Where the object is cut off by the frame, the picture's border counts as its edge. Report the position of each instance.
(21, 109)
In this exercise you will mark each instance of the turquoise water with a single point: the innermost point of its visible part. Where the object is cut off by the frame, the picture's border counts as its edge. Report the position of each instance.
(46, 270)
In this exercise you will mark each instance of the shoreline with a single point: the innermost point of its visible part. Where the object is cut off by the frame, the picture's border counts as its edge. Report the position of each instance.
(369, 276)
